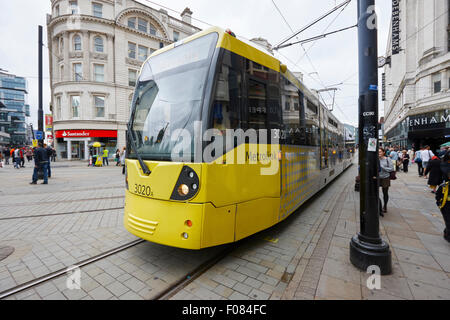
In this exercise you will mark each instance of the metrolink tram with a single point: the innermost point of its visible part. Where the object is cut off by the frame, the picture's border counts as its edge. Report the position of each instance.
(223, 142)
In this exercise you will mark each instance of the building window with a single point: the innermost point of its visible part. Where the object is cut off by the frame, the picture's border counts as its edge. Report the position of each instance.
(287, 106)
(132, 75)
(131, 50)
(57, 10)
(132, 23)
(142, 54)
(77, 72)
(77, 43)
(142, 25)
(61, 73)
(436, 78)
(61, 45)
(296, 106)
(58, 107)
(152, 29)
(99, 72)
(73, 7)
(75, 105)
(98, 43)
(176, 36)
(97, 10)
(161, 45)
(99, 103)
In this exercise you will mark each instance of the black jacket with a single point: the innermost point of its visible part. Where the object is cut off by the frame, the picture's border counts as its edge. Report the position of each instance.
(40, 155)
(434, 169)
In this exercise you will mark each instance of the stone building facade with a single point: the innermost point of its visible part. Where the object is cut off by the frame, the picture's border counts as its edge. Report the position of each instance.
(417, 79)
(96, 49)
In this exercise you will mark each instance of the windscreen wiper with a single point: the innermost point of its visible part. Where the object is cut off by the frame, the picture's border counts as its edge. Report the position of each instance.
(144, 167)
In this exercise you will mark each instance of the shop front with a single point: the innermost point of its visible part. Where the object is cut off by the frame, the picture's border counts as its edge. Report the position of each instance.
(420, 130)
(74, 144)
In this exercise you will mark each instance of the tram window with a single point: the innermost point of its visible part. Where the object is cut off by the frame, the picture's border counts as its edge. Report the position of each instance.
(311, 106)
(257, 105)
(227, 97)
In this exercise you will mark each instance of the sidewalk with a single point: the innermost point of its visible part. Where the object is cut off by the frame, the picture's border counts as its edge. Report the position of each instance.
(307, 256)
(413, 227)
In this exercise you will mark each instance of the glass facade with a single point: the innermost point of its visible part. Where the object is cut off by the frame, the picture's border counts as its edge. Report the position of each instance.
(423, 129)
(13, 108)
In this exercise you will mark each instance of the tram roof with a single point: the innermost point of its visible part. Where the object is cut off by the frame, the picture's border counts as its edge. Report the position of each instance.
(246, 49)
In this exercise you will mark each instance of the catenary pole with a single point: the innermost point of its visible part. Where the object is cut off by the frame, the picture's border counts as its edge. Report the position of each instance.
(40, 110)
(367, 248)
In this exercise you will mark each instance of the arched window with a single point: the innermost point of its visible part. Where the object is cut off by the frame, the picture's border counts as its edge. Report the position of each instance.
(77, 43)
(152, 29)
(98, 43)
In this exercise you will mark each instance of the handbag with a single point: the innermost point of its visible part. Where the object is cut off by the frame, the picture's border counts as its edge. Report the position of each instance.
(392, 175)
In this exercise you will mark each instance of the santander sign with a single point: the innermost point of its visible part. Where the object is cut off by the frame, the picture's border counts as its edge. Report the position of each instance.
(86, 134)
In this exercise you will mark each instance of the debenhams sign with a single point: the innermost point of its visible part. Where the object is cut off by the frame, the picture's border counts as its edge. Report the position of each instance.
(424, 121)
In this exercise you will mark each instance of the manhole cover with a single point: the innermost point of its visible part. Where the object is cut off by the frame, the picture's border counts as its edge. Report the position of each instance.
(5, 252)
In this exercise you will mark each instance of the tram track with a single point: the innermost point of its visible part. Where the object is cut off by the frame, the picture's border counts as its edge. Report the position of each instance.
(58, 273)
(61, 201)
(60, 214)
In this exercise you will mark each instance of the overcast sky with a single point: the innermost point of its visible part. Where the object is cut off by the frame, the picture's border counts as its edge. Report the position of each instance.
(328, 61)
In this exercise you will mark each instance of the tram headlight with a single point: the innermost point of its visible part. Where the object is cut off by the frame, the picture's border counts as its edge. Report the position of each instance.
(187, 185)
(183, 190)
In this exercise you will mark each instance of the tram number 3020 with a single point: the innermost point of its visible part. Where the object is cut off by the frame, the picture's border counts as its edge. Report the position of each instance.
(143, 190)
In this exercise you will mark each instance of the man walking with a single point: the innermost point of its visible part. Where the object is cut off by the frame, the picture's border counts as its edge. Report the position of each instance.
(49, 155)
(40, 163)
(427, 155)
(105, 156)
(6, 154)
(16, 158)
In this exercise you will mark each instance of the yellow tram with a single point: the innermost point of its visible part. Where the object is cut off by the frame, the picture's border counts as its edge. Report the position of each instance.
(223, 142)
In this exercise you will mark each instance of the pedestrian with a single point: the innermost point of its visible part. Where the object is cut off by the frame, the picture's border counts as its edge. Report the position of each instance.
(22, 157)
(6, 155)
(394, 157)
(49, 151)
(418, 160)
(40, 163)
(411, 153)
(122, 158)
(442, 194)
(29, 154)
(117, 157)
(17, 158)
(386, 167)
(105, 156)
(53, 154)
(434, 170)
(405, 160)
(426, 155)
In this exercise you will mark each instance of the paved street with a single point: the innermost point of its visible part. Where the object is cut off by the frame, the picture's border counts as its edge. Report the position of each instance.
(45, 228)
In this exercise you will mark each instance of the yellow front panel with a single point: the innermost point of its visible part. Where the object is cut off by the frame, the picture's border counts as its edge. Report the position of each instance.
(218, 225)
(254, 216)
(163, 221)
(161, 181)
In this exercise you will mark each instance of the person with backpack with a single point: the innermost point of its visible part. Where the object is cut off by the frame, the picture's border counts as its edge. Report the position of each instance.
(418, 160)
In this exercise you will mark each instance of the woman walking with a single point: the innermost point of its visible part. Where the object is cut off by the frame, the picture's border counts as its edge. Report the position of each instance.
(117, 157)
(405, 161)
(386, 168)
(434, 170)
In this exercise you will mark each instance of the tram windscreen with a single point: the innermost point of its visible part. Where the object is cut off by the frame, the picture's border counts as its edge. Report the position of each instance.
(168, 100)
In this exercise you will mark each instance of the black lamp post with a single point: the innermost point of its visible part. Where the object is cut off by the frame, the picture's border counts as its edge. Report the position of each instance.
(367, 248)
